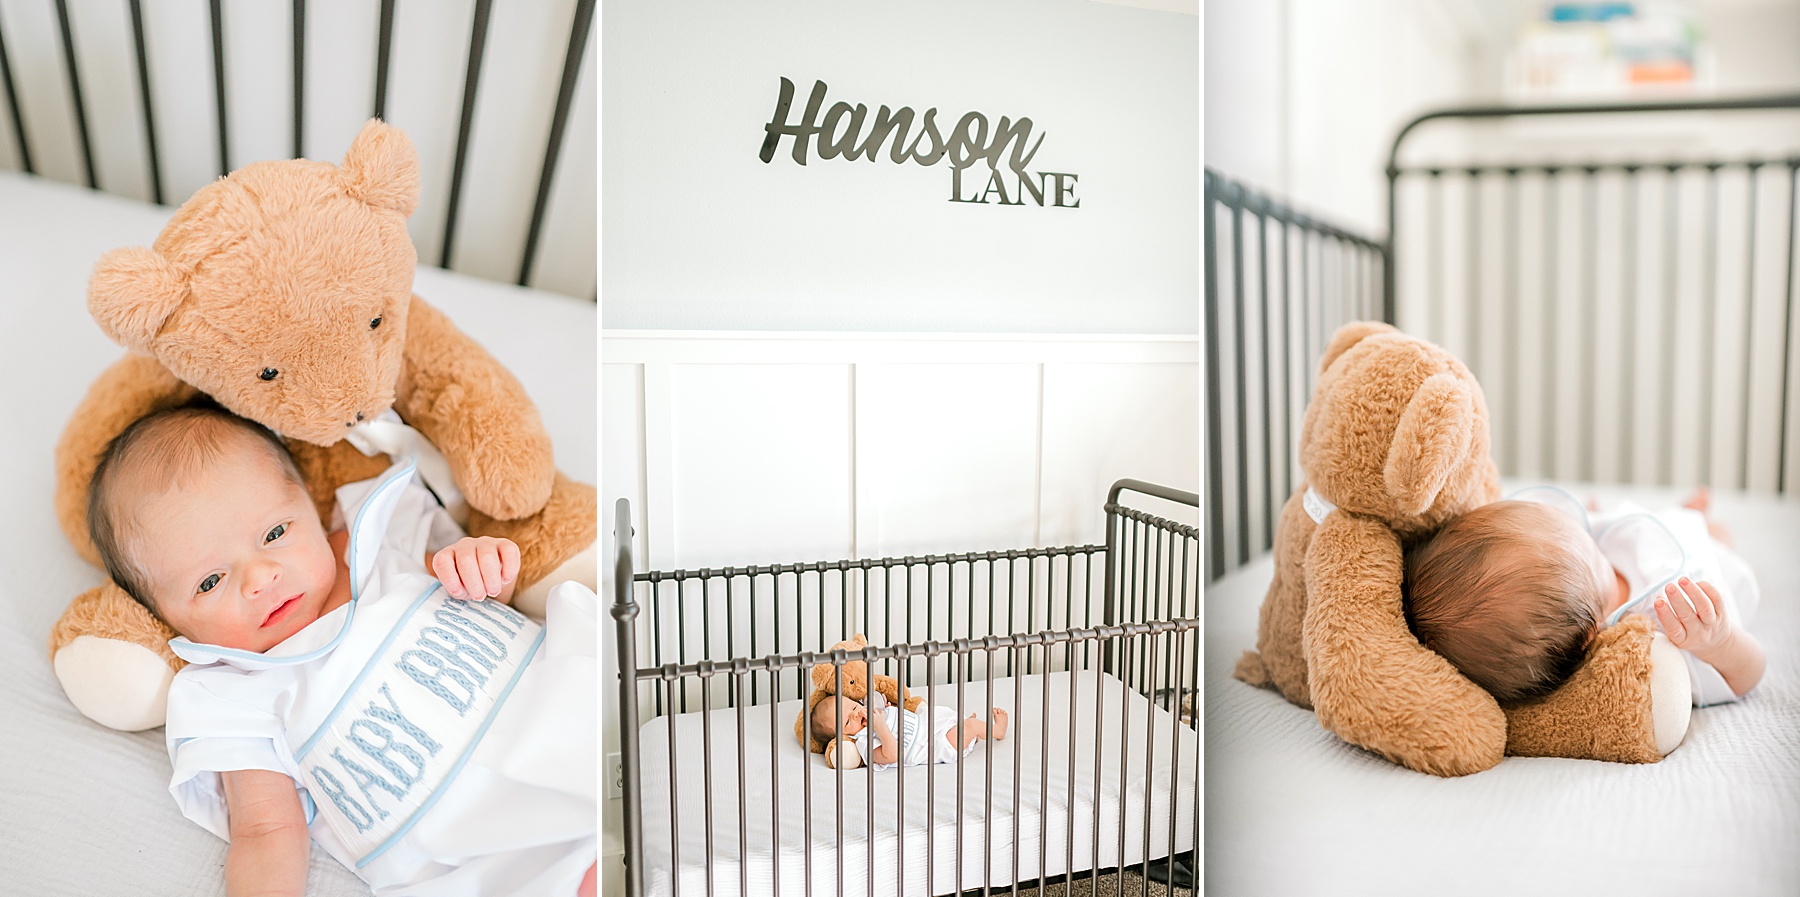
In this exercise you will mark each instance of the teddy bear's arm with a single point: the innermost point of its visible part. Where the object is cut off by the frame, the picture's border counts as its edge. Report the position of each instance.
(1373, 684)
(477, 414)
(131, 388)
(1625, 704)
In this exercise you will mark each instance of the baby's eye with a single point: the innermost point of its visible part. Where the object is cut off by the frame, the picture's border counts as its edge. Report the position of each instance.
(209, 583)
(276, 533)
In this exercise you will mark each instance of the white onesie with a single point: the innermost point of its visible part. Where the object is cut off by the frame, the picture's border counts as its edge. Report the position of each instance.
(1652, 549)
(439, 746)
(913, 750)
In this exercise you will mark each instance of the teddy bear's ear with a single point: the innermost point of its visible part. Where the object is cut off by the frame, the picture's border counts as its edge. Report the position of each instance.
(133, 291)
(1349, 335)
(1432, 441)
(382, 169)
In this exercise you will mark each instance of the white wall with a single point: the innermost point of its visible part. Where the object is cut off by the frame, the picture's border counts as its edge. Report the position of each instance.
(515, 99)
(1303, 97)
(701, 234)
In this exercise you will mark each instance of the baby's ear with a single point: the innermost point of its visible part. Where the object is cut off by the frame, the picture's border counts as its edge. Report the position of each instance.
(133, 291)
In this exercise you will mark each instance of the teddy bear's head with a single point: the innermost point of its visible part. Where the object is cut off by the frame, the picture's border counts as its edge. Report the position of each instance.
(825, 682)
(280, 290)
(1398, 431)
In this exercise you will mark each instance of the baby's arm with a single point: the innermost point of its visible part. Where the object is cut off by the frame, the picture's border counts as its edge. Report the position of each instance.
(1698, 625)
(269, 842)
(478, 567)
(887, 748)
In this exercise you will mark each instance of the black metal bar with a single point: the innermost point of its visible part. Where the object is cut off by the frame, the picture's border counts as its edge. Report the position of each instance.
(300, 80)
(1215, 461)
(1628, 231)
(143, 73)
(578, 41)
(1262, 356)
(1287, 372)
(1590, 266)
(1787, 335)
(384, 48)
(1709, 286)
(1435, 286)
(1749, 315)
(12, 103)
(75, 96)
(1473, 262)
(1671, 212)
(471, 77)
(1552, 209)
(706, 773)
(624, 613)
(1235, 202)
(739, 669)
(1509, 334)
(218, 53)
(674, 796)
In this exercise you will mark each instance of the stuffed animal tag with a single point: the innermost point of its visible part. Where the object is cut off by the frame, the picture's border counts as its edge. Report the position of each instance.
(387, 435)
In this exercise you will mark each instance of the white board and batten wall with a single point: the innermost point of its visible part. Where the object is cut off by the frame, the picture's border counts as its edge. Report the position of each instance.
(835, 359)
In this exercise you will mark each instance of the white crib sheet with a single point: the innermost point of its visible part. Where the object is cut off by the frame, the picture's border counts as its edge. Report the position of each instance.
(1017, 769)
(1290, 809)
(87, 809)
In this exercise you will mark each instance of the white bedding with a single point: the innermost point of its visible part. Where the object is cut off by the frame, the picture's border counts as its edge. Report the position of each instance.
(1290, 809)
(86, 809)
(1171, 777)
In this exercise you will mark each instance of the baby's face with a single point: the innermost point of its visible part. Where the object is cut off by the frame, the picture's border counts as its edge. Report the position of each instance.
(855, 717)
(237, 557)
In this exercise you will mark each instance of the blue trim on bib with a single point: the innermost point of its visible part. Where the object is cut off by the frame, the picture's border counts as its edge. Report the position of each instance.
(222, 652)
(375, 658)
(450, 776)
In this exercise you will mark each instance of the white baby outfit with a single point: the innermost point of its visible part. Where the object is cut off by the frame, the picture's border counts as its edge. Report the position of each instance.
(1651, 555)
(914, 751)
(439, 746)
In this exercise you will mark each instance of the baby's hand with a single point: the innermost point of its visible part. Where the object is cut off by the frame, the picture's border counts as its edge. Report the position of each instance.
(1694, 617)
(478, 567)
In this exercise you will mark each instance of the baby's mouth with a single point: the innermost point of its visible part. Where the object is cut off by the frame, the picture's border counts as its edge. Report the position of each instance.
(280, 612)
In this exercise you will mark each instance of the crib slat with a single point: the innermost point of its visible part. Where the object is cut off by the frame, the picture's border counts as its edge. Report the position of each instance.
(384, 51)
(1753, 169)
(12, 104)
(1787, 335)
(559, 119)
(143, 74)
(75, 93)
(218, 48)
(471, 77)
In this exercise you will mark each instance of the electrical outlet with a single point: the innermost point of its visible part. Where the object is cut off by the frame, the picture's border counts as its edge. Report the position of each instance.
(615, 777)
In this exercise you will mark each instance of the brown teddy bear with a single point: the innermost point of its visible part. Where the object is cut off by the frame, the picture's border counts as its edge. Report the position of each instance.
(856, 687)
(283, 292)
(1393, 445)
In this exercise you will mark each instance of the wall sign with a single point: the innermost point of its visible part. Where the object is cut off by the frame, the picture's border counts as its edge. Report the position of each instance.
(841, 134)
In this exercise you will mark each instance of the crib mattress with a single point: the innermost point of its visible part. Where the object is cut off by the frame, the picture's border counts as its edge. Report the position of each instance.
(1290, 809)
(87, 809)
(915, 852)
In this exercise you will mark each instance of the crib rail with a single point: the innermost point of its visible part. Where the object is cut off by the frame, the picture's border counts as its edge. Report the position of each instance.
(1277, 285)
(1145, 635)
(1631, 319)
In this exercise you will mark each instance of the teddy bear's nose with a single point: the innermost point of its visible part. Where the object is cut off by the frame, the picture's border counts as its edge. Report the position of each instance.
(359, 416)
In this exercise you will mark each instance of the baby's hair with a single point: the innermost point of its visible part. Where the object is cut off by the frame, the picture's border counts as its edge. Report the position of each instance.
(157, 452)
(1498, 594)
(825, 729)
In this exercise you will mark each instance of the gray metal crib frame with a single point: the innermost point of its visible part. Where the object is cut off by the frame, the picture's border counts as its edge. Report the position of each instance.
(1138, 602)
(1326, 275)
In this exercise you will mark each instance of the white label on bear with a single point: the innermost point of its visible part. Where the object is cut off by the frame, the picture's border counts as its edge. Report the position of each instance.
(1316, 505)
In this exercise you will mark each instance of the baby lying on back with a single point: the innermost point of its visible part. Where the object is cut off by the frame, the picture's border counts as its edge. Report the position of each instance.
(1513, 592)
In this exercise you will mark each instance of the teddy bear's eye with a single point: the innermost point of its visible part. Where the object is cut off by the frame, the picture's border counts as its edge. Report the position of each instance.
(375, 322)
(268, 373)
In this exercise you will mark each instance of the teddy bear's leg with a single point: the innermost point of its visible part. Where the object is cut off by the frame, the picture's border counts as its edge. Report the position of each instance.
(551, 542)
(113, 659)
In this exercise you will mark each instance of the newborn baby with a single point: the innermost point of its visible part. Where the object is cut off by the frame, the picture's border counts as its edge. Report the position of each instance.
(435, 743)
(949, 739)
(1513, 592)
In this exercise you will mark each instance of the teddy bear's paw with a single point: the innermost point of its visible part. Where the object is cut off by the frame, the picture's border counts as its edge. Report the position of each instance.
(115, 683)
(583, 568)
(1250, 669)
